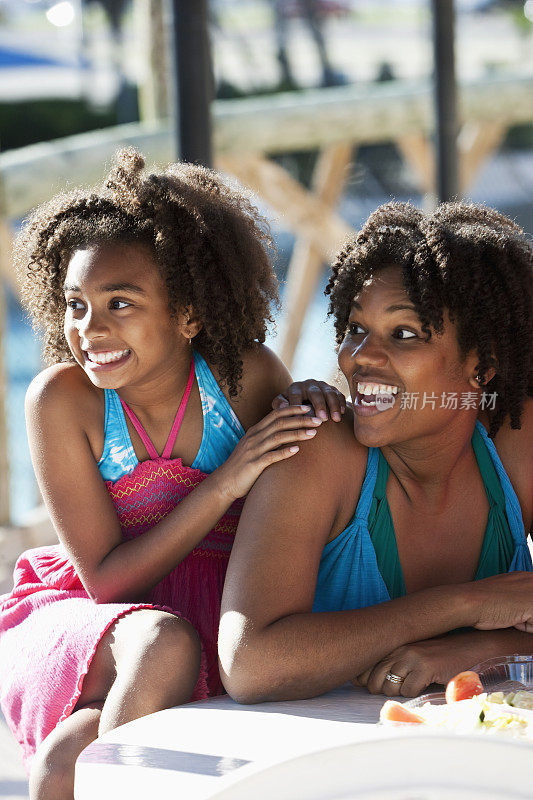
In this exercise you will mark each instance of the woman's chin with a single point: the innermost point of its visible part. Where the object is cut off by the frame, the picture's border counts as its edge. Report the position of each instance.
(371, 434)
(370, 438)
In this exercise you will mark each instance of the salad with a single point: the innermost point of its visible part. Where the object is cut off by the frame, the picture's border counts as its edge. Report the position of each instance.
(468, 709)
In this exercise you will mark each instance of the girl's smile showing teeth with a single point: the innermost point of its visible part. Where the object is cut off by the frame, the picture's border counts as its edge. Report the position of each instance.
(106, 359)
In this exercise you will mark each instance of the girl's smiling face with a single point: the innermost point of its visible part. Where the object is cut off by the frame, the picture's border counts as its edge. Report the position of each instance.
(385, 345)
(118, 323)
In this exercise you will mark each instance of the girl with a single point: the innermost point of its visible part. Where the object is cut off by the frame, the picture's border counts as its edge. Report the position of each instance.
(426, 490)
(154, 293)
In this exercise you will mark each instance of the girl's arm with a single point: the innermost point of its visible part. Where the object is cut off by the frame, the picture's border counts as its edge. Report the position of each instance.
(82, 512)
(271, 645)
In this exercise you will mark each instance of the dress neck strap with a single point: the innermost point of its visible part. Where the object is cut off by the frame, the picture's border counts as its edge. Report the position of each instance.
(178, 419)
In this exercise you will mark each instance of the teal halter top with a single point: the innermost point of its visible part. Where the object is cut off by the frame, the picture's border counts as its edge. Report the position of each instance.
(498, 543)
(361, 566)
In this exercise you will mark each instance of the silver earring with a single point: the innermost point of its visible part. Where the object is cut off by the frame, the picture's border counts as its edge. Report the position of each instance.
(479, 379)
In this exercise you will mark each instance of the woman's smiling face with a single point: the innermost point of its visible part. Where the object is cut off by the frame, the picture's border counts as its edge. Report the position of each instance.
(117, 322)
(385, 345)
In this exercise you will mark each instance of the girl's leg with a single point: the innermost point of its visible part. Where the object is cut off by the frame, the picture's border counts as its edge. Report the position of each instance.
(147, 661)
(157, 659)
(52, 771)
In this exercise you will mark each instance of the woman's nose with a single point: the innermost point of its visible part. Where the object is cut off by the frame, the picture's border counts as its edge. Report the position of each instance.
(370, 351)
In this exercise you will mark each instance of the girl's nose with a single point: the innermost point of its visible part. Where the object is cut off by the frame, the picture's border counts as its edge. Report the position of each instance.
(93, 325)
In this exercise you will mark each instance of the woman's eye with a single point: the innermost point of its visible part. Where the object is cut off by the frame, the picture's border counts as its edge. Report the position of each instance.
(407, 334)
(354, 329)
(75, 305)
(119, 304)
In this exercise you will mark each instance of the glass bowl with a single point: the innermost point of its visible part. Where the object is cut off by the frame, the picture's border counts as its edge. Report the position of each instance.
(435, 698)
(506, 673)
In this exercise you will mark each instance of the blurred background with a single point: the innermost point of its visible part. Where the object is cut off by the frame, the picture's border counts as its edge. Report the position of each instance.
(324, 109)
(315, 99)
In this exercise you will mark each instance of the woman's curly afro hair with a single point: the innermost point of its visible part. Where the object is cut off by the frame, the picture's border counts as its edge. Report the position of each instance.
(209, 242)
(468, 259)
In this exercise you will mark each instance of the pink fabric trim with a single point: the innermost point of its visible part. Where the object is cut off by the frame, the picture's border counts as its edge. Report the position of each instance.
(167, 452)
(152, 452)
(178, 419)
(200, 690)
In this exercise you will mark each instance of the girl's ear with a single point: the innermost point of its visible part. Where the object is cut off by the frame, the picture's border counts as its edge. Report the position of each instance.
(190, 322)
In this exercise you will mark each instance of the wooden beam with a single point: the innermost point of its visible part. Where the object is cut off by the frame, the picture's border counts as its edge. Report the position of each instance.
(307, 216)
(420, 155)
(282, 123)
(307, 260)
(477, 142)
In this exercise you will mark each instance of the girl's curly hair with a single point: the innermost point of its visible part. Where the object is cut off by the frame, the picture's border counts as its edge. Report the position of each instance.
(468, 259)
(209, 242)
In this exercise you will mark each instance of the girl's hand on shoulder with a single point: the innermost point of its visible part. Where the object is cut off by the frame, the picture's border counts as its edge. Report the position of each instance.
(327, 401)
(273, 439)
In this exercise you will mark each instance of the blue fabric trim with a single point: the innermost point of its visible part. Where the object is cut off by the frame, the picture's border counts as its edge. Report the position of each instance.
(512, 504)
(221, 429)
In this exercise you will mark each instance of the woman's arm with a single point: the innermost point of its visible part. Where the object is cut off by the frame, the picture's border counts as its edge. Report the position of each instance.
(438, 660)
(81, 510)
(271, 645)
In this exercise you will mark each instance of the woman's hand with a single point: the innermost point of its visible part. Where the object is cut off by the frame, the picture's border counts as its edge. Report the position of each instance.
(273, 439)
(327, 401)
(418, 664)
(503, 601)
(437, 660)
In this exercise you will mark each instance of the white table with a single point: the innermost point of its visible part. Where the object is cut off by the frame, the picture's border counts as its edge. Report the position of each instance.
(319, 749)
(195, 751)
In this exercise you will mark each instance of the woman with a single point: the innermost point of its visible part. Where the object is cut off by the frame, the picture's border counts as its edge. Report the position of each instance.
(433, 318)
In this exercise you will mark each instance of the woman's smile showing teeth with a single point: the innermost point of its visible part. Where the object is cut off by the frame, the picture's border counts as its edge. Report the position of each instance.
(374, 398)
(105, 358)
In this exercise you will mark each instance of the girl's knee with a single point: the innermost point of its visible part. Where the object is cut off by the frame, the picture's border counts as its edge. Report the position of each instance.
(173, 641)
(158, 637)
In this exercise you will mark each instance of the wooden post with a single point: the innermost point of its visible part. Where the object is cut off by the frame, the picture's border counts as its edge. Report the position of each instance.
(307, 260)
(447, 171)
(153, 87)
(193, 81)
(4, 460)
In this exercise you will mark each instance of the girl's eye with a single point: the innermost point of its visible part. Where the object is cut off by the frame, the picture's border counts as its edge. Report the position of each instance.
(118, 305)
(354, 329)
(75, 305)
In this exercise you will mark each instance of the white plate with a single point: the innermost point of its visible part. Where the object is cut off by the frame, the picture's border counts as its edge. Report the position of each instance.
(408, 767)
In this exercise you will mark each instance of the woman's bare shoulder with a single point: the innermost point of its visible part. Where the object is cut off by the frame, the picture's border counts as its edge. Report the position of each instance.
(326, 474)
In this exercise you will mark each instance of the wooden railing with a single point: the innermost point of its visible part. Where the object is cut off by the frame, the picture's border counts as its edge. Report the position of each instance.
(246, 133)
